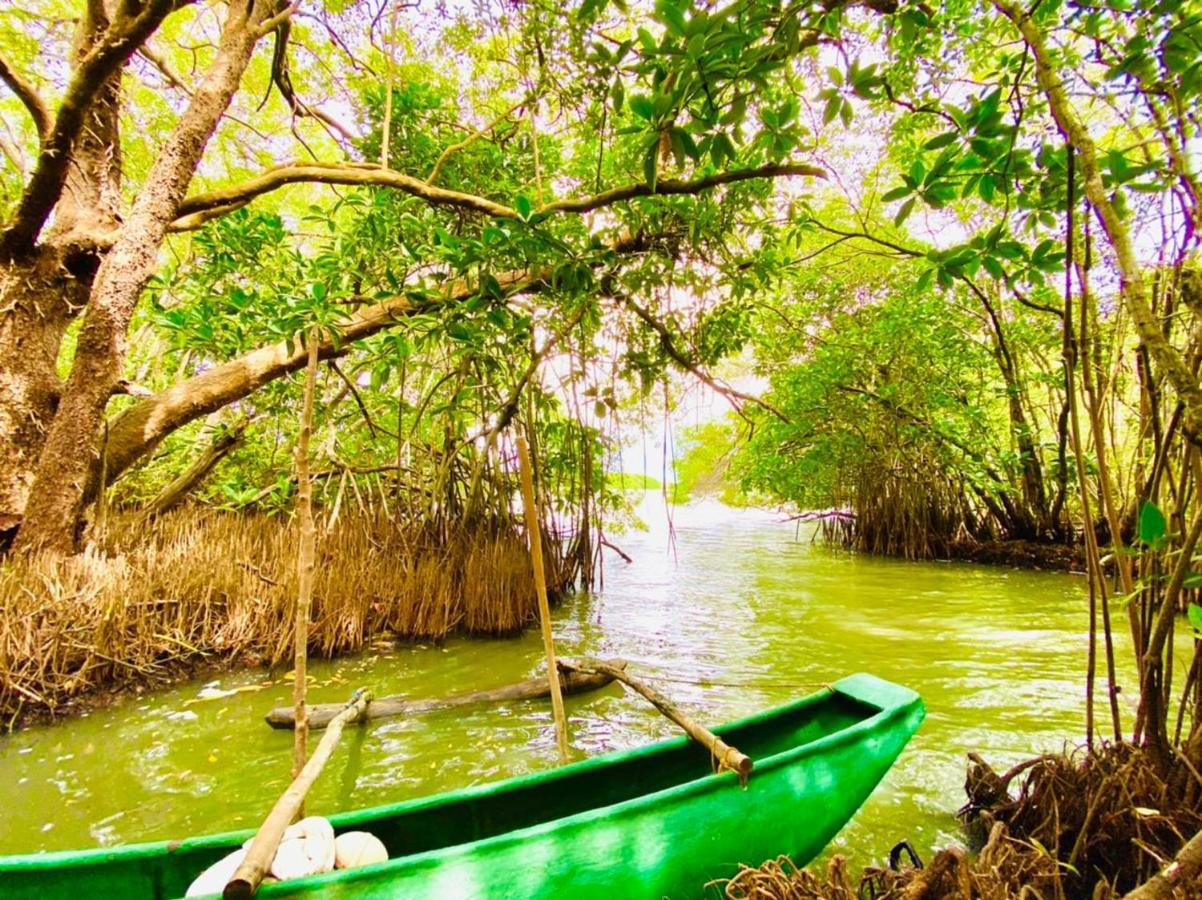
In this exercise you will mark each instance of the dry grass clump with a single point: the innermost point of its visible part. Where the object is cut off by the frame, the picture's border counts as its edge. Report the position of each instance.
(156, 599)
(1089, 825)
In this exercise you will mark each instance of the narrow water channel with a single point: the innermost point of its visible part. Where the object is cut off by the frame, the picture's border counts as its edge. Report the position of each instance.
(734, 614)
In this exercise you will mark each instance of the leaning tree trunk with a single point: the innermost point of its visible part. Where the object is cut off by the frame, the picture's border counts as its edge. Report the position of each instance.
(57, 498)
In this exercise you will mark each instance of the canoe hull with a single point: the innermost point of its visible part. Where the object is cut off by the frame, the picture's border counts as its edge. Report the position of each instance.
(667, 842)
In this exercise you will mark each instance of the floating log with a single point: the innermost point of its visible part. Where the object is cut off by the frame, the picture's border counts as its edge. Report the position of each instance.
(262, 850)
(573, 681)
(725, 756)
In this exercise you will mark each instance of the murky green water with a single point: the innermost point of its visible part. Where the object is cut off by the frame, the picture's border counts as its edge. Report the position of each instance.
(997, 654)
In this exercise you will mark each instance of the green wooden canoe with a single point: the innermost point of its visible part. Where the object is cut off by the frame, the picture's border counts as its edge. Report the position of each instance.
(647, 823)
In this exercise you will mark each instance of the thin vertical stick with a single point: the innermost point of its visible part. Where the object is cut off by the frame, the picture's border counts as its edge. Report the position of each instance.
(304, 562)
(391, 48)
(540, 586)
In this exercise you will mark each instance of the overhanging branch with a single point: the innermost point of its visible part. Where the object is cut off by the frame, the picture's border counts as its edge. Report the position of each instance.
(198, 209)
(139, 429)
(111, 51)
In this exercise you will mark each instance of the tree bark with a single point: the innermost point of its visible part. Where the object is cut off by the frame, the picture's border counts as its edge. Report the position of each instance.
(65, 466)
(42, 291)
(38, 299)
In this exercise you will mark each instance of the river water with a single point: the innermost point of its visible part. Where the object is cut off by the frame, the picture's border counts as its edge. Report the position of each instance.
(731, 610)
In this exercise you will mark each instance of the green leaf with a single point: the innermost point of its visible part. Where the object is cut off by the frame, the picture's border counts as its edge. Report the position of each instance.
(1194, 613)
(941, 140)
(641, 106)
(651, 164)
(833, 105)
(1152, 524)
(904, 211)
(896, 194)
(524, 207)
(668, 13)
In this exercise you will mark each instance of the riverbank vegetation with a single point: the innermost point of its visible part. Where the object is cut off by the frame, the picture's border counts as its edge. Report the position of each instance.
(958, 242)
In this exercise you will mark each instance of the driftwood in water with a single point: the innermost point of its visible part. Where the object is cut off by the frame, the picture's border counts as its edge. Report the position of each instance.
(726, 756)
(267, 839)
(573, 681)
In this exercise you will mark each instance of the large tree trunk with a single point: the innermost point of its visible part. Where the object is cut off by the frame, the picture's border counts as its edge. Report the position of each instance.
(68, 458)
(42, 291)
(38, 299)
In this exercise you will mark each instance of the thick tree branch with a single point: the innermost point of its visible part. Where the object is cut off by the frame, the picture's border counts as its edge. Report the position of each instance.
(139, 429)
(117, 44)
(198, 209)
(28, 95)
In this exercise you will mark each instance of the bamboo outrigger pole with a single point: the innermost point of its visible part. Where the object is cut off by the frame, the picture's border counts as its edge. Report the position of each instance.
(304, 564)
(287, 809)
(540, 586)
(724, 755)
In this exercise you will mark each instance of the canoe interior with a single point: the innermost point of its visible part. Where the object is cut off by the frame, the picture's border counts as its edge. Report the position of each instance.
(164, 870)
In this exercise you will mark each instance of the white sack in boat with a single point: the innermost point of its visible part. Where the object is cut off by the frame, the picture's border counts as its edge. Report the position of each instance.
(213, 879)
(307, 848)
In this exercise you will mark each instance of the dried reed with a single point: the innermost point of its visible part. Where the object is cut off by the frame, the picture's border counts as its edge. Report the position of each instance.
(159, 599)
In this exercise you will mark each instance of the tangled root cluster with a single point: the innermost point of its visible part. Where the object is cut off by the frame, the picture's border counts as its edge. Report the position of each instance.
(1080, 826)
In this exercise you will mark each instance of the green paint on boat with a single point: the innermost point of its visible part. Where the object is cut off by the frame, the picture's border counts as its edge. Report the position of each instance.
(647, 823)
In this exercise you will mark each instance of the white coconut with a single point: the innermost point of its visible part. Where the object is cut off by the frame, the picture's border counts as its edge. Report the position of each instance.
(213, 879)
(358, 848)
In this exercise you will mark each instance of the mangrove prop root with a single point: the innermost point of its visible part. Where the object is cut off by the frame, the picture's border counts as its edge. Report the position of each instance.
(1184, 872)
(194, 590)
(572, 680)
(724, 755)
(262, 850)
(1073, 825)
